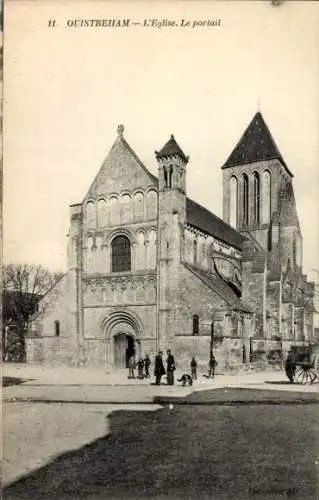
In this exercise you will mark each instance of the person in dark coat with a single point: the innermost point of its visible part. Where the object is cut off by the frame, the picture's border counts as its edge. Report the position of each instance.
(212, 366)
(159, 369)
(170, 368)
(290, 367)
(140, 367)
(194, 369)
(147, 363)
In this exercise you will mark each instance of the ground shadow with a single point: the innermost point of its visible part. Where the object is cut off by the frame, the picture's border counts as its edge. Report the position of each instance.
(187, 452)
(286, 382)
(8, 381)
(240, 396)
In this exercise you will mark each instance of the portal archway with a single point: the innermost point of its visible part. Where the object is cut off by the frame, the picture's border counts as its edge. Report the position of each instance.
(122, 331)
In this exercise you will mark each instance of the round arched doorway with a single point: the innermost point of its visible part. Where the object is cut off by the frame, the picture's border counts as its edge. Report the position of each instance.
(124, 348)
(122, 334)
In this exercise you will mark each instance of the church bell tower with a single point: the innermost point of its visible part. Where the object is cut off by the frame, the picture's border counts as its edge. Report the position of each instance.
(171, 223)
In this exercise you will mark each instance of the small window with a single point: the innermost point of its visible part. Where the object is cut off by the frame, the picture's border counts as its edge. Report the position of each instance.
(57, 328)
(170, 176)
(195, 324)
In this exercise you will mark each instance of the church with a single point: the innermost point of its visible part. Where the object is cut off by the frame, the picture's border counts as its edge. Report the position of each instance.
(149, 268)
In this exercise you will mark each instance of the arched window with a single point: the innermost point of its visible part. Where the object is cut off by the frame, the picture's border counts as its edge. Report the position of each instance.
(90, 214)
(101, 213)
(138, 205)
(125, 207)
(113, 210)
(256, 179)
(151, 204)
(233, 187)
(266, 197)
(245, 199)
(121, 254)
(57, 328)
(165, 177)
(195, 324)
(170, 176)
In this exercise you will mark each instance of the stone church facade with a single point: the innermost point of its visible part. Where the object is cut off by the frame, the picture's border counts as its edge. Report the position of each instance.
(149, 268)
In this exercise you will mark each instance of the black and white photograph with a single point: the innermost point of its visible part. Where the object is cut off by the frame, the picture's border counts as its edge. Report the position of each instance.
(160, 258)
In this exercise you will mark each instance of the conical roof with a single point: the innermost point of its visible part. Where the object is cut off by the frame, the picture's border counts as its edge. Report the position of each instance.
(256, 144)
(171, 148)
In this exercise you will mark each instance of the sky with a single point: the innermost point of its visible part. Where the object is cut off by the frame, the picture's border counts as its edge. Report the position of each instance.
(66, 89)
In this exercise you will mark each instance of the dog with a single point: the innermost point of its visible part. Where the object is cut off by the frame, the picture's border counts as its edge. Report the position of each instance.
(185, 379)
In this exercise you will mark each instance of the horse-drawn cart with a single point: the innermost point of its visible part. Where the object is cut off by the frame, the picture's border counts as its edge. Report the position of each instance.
(302, 364)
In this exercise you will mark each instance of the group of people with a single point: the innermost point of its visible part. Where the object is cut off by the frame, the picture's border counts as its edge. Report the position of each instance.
(159, 369)
(143, 367)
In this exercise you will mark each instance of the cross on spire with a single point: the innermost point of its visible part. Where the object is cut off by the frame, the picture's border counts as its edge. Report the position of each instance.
(120, 130)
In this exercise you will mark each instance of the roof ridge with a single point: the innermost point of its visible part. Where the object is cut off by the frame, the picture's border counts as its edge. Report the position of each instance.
(139, 161)
(199, 275)
(196, 219)
(205, 277)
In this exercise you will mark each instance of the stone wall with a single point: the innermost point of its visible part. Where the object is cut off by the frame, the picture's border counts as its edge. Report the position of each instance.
(50, 351)
(228, 353)
(274, 305)
(254, 294)
(52, 308)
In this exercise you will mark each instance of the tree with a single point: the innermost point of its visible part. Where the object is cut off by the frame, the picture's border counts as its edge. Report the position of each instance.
(23, 286)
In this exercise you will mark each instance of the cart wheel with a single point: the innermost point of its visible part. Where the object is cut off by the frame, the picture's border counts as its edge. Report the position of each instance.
(313, 376)
(303, 376)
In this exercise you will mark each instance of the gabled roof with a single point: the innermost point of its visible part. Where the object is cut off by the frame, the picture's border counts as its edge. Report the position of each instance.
(171, 148)
(201, 218)
(128, 147)
(217, 285)
(120, 151)
(256, 144)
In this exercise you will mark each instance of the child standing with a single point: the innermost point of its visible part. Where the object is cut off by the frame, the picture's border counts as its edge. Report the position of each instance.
(140, 366)
(194, 368)
(147, 363)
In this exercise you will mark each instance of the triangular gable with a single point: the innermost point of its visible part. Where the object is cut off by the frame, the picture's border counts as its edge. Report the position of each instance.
(256, 144)
(121, 170)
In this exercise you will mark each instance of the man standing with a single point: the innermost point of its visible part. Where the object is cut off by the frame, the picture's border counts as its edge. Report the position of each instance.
(290, 367)
(170, 368)
(159, 369)
(212, 366)
(147, 363)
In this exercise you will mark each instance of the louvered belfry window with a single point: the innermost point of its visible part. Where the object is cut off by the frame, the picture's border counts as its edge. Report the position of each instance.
(245, 199)
(121, 254)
